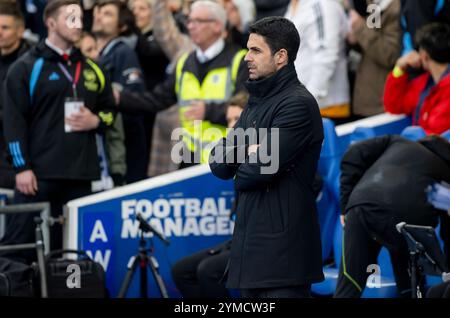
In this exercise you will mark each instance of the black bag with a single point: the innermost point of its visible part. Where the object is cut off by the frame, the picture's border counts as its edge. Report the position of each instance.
(59, 279)
(16, 279)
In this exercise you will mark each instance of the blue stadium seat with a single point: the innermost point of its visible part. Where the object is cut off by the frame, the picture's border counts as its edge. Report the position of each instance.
(413, 133)
(388, 288)
(362, 133)
(446, 135)
(328, 201)
(331, 272)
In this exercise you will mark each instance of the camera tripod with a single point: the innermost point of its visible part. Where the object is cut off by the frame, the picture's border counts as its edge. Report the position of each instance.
(144, 258)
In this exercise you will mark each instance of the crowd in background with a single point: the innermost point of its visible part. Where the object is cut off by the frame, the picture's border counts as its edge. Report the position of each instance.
(346, 54)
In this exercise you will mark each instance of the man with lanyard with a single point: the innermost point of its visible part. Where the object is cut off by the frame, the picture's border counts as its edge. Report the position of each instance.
(424, 97)
(203, 83)
(54, 102)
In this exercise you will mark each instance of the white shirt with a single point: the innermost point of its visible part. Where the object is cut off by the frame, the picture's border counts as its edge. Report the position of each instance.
(321, 62)
(215, 49)
(57, 49)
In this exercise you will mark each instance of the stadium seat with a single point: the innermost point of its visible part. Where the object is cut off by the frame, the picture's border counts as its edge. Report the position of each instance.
(362, 133)
(331, 272)
(446, 135)
(328, 200)
(388, 288)
(413, 133)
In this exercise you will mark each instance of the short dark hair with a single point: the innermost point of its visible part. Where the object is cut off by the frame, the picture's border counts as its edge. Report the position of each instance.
(13, 10)
(434, 38)
(279, 33)
(126, 16)
(53, 6)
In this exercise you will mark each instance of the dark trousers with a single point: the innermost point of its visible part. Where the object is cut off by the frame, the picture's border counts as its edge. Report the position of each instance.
(200, 274)
(365, 233)
(301, 291)
(20, 228)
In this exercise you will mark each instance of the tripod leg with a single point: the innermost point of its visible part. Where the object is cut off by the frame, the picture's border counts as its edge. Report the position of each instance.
(143, 278)
(158, 279)
(41, 261)
(134, 261)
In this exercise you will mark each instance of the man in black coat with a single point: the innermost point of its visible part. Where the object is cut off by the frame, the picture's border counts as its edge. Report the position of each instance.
(383, 183)
(276, 248)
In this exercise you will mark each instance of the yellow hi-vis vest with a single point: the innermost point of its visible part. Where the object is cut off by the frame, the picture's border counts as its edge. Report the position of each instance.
(218, 86)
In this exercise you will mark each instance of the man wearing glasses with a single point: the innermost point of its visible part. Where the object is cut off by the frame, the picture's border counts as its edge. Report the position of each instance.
(202, 84)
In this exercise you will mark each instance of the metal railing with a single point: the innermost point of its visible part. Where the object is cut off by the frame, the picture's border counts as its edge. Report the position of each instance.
(42, 242)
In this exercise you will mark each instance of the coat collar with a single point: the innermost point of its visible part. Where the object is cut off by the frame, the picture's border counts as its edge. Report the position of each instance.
(42, 50)
(272, 85)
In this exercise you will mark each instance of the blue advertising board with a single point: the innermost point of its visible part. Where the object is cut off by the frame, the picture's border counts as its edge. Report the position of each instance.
(190, 207)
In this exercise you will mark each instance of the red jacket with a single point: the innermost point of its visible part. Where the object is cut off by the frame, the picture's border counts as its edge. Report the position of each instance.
(401, 96)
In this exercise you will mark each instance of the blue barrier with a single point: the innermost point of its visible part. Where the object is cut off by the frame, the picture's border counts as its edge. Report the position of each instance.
(191, 207)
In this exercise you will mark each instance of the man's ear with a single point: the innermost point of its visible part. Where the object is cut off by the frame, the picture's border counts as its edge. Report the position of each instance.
(281, 57)
(218, 27)
(21, 30)
(50, 23)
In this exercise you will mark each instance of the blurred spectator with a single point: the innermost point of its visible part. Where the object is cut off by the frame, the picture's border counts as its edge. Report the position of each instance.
(174, 43)
(88, 13)
(180, 10)
(113, 23)
(240, 14)
(268, 8)
(200, 274)
(383, 183)
(202, 85)
(152, 59)
(380, 48)
(12, 26)
(425, 98)
(172, 40)
(88, 46)
(418, 13)
(110, 144)
(235, 108)
(321, 63)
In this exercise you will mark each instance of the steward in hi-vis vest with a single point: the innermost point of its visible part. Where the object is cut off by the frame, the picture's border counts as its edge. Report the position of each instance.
(213, 82)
